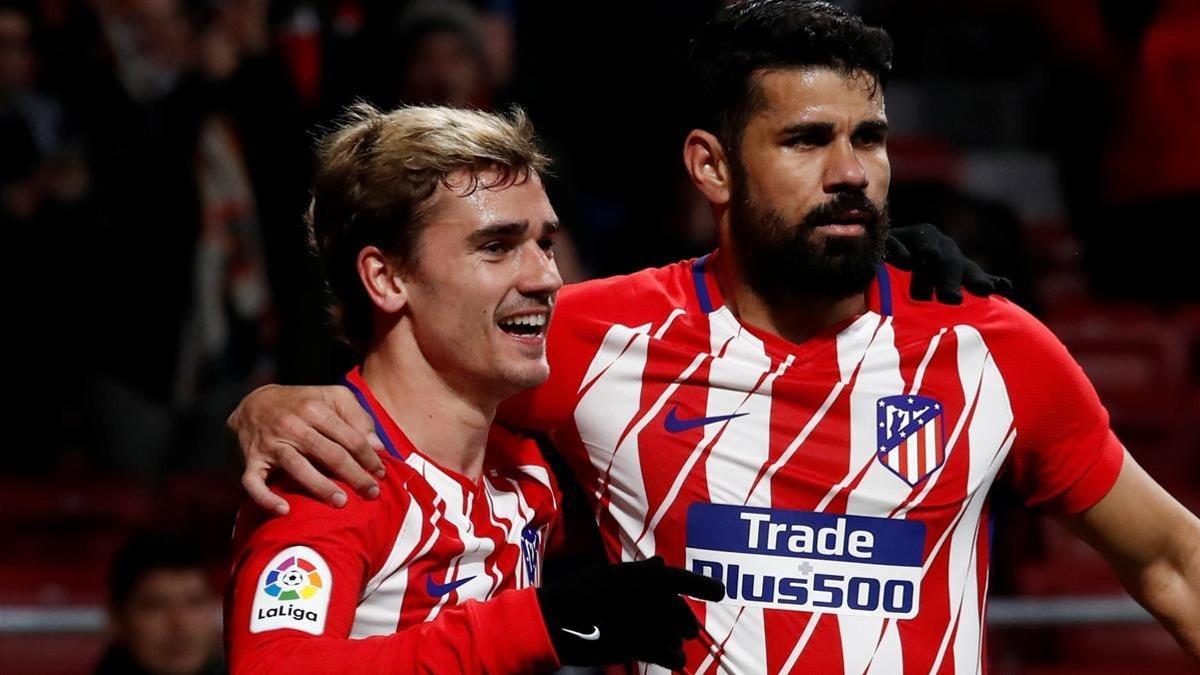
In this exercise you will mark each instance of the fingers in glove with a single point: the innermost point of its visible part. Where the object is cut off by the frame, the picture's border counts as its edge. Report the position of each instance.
(979, 282)
(922, 285)
(680, 581)
(671, 659)
(681, 616)
(896, 253)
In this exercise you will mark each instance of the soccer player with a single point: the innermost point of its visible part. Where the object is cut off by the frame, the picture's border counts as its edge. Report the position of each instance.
(779, 414)
(437, 240)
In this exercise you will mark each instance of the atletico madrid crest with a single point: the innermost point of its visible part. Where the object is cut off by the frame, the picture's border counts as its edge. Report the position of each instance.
(910, 436)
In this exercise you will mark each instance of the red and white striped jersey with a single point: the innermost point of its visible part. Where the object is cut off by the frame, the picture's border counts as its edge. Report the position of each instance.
(839, 487)
(436, 575)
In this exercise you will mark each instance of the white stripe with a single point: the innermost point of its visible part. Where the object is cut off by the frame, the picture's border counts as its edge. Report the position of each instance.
(919, 378)
(811, 626)
(931, 432)
(382, 598)
(957, 602)
(645, 528)
(991, 423)
(812, 424)
(662, 330)
(603, 412)
(880, 491)
(890, 644)
(508, 505)
(993, 466)
(978, 498)
(959, 424)
(910, 450)
(852, 347)
(732, 465)
(495, 498)
(471, 561)
(611, 348)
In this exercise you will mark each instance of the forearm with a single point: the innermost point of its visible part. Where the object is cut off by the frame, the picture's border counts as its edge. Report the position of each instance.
(1170, 589)
(502, 635)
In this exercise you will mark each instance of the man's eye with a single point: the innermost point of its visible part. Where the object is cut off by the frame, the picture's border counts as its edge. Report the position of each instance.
(547, 244)
(495, 247)
(810, 139)
(870, 139)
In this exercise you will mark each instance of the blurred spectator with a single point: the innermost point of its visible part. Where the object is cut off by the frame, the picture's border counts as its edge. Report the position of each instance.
(1127, 94)
(164, 614)
(441, 57)
(45, 208)
(183, 322)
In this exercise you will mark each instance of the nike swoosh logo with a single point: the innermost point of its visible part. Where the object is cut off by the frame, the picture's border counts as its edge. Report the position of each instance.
(674, 425)
(437, 590)
(590, 637)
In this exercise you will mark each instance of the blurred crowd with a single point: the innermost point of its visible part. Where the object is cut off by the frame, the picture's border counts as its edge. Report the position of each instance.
(159, 151)
(155, 158)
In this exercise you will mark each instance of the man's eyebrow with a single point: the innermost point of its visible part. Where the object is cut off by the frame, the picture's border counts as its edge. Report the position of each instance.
(550, 227)
(805, 128)
(502, 230)
(877, 126)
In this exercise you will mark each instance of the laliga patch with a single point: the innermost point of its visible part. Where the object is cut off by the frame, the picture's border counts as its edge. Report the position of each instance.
(811, 562)
(293, 592)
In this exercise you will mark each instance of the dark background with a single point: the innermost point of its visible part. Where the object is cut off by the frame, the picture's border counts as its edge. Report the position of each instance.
(154, 163)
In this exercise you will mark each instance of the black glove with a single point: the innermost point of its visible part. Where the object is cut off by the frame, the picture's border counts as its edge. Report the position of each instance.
(628, 612)
(937, 263)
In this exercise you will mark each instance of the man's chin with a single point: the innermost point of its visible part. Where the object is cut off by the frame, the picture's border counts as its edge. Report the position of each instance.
(521, 376)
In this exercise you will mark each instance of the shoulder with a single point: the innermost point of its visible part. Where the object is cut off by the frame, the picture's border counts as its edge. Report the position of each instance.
(1002, 324)
(310, 518)
(637, 297)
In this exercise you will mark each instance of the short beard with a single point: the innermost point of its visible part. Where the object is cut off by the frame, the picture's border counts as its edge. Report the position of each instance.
(780, 262)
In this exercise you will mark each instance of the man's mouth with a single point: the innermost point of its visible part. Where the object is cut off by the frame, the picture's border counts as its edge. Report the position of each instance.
(526, 326)
(849, 223)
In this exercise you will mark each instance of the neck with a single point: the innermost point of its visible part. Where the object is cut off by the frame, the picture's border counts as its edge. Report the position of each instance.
(447, 423)
(797, 318)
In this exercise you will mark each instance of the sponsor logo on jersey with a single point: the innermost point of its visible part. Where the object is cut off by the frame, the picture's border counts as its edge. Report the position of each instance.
(910, 436)
(675, 424)
(438, 590)
(804, 561)
(531, 554)
(293, 592)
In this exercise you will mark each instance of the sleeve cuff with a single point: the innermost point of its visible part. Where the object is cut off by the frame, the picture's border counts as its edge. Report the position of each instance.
(1095, 483)
(520, 643)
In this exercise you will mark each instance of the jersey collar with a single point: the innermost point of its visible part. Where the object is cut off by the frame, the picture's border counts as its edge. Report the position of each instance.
(386, 428)
(708, 292)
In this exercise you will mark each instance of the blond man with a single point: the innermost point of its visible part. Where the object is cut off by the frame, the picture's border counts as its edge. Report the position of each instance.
(437, 241)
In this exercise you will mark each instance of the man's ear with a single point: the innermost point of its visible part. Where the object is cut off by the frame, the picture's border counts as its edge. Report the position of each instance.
(382, 280)
(708, 166)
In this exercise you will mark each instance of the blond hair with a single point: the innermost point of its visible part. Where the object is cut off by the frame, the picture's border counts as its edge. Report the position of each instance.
(376, 177)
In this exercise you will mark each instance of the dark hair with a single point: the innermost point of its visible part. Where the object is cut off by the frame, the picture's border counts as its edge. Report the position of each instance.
(145, 553)
(751, 35)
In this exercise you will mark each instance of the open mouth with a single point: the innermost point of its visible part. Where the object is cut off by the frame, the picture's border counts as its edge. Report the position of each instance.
(525, 326)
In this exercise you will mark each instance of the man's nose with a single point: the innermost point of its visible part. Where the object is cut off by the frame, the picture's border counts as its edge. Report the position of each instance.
(540, 275)
(843, 170)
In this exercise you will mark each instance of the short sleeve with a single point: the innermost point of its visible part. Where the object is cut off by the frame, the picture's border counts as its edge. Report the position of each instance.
(1065, 457)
